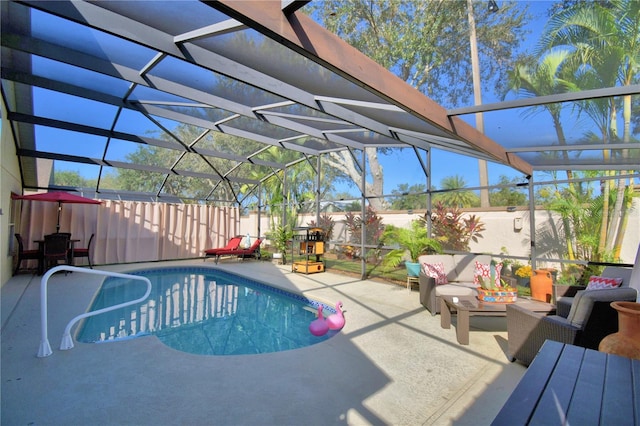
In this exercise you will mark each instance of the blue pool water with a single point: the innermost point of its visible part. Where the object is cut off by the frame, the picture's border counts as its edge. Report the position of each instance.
(204, 311)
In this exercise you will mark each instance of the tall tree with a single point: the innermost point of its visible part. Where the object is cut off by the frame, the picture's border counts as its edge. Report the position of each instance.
(550, 75)
(409, 197)
(604, 38)
(426, 43)
(456, 196)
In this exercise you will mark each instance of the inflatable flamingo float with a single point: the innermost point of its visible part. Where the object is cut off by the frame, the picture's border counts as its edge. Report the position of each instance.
(336, 321)
(319, 326)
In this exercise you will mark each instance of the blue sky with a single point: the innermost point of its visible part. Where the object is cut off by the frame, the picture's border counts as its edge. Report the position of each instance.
(497, 126)
(398, 169)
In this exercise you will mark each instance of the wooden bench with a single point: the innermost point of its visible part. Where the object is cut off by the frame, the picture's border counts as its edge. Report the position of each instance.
(567, 384)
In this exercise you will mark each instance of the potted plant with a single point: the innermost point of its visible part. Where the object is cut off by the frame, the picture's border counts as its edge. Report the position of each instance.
(492, 290)
(523, 274)
(506, 261)
(515, 266)
(280, 237)
(412, 242)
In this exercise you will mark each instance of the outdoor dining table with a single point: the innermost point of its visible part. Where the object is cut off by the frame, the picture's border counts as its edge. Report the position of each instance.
(41, 265)
(567, 384)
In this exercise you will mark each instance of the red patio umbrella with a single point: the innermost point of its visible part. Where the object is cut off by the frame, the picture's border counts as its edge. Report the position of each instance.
(59, 197)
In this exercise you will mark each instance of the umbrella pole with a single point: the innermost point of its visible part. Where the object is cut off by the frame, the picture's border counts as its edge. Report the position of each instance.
(58, 224)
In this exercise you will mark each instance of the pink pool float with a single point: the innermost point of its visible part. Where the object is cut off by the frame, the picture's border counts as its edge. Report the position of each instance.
(336, 321)
(319, 326)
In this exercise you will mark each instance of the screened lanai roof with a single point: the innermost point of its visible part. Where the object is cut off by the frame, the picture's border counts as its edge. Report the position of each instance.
(83, 82)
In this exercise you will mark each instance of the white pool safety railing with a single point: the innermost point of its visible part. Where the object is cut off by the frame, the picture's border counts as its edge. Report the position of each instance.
(67, 340)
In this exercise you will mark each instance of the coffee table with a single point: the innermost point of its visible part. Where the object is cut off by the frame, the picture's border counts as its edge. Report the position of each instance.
(467, 306)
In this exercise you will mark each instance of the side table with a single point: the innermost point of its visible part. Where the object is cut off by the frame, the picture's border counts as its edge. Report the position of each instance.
(411, 280)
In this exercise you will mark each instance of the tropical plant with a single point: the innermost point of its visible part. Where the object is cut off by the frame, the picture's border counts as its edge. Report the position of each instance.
(452, 229)
(412, 242)
(600, 47)
(325, 223)
(372, 224)
(280, 236)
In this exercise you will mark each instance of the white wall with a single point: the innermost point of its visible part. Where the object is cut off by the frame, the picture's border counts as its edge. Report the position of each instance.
(9, 182)
(501, 230)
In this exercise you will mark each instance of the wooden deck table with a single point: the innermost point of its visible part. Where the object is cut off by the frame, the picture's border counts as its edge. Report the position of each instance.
(570, 385)
(467, 306)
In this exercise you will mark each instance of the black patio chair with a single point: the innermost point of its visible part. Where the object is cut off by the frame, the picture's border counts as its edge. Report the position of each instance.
(25, 254)
(56, 249)
(84, 252)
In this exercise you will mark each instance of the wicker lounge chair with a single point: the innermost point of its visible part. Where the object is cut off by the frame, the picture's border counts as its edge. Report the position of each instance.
(588, 321)
(233, 244)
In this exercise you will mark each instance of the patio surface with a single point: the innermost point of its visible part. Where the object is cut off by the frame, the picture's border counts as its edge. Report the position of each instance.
(392, 364)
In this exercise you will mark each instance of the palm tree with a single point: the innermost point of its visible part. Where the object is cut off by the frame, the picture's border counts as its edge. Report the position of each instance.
(414, 242)
(604, 37)
(455, 196)
(549, 76)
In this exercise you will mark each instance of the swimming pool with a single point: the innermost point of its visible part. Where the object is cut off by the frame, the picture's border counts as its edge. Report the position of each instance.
(204, 311)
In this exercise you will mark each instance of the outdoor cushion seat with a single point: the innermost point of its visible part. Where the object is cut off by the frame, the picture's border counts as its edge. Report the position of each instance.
(590, 319)
(233, 244)
(253, 251)
(459, 269)
(564, 295)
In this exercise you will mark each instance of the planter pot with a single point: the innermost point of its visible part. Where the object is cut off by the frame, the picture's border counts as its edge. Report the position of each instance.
(497, 296)
(626, 342)
(413, 269)
(541, 285)
(554, 274)
(279, 258)
(523, 281)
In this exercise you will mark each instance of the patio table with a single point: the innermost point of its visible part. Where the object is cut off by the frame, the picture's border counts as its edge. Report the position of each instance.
(567, 384)
(467, 306)
(41, 265)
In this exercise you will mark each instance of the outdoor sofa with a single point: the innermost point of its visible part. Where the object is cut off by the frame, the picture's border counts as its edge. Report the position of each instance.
(459, 270)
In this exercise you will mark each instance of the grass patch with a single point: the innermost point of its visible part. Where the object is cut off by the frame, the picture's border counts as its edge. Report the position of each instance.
(373, 271)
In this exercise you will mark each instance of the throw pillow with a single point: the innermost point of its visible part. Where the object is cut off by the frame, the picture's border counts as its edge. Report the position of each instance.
(600, 283)
(484, 270)
(436, 271)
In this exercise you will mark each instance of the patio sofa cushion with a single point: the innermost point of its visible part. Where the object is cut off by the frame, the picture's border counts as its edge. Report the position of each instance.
(459, 269)
(584, 300)
(565, 302)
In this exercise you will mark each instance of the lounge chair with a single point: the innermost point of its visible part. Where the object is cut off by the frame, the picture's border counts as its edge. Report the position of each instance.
(589, 319)
(253, 251)
(233, 244)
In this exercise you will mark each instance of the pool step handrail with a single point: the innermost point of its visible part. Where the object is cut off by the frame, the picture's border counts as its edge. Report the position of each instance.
(67, 341)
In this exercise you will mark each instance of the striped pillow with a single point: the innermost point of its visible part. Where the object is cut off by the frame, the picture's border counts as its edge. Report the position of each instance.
(602, 283)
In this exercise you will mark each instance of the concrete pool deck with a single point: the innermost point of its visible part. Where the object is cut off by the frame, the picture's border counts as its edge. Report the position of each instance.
(392, 364)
